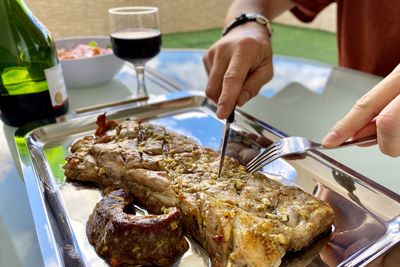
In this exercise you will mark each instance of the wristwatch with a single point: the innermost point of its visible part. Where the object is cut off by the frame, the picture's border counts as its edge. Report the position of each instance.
(246, 17)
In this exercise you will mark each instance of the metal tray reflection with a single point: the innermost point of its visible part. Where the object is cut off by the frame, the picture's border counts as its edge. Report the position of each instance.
(367, 222)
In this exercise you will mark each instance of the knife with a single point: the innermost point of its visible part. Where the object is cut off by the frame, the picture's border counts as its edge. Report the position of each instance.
(228, 122)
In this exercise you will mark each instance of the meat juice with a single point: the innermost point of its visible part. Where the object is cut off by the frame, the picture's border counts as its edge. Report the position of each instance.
(136, 45)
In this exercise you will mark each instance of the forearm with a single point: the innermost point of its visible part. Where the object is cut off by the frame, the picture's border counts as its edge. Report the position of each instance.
(240, 63)
(268, 8)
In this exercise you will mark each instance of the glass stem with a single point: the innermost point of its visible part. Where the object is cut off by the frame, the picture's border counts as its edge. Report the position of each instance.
(141, 87)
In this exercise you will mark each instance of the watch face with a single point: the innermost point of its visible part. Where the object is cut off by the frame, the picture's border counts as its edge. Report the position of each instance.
(251, 15)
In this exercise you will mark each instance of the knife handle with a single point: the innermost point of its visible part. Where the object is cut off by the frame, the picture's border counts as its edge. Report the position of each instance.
(231, 117)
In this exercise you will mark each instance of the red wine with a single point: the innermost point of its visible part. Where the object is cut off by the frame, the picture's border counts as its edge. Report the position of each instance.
(136, 44)
(21, 109)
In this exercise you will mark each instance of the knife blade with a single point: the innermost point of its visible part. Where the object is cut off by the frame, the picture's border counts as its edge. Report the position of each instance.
(227, 129)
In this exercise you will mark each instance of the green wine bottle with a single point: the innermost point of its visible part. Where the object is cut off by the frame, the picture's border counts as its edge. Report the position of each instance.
(31, 82)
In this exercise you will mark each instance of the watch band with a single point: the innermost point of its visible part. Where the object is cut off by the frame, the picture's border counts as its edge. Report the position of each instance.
(246, 17)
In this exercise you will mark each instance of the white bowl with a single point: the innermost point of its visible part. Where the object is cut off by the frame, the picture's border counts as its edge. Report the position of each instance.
(87, 72)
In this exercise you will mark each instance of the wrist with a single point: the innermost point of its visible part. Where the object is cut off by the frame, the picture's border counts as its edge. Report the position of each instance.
(249, 17)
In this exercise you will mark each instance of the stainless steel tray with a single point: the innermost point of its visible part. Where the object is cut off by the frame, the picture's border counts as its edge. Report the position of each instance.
(367, 223)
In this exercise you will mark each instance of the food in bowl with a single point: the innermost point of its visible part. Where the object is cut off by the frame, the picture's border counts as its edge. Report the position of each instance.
(87, 61)
(83, 51)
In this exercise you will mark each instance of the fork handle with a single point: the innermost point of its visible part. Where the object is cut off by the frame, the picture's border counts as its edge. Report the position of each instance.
(367, 140)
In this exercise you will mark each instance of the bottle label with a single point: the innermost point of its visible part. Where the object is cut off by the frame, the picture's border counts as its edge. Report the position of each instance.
(56, 84)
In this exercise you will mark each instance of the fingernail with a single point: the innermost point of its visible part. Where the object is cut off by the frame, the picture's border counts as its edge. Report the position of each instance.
(221, 110)
(243, 98)
(331, 139)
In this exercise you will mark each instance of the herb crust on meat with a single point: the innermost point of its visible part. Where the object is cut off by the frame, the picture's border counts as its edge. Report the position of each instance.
(241, 219)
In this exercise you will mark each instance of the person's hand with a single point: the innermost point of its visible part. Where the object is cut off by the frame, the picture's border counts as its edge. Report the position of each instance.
(238, 65)
(377, 111)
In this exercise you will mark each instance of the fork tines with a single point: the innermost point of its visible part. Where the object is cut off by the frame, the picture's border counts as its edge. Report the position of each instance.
(265, 157)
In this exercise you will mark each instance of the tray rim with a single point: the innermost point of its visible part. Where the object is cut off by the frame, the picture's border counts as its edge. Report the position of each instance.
(46, 237)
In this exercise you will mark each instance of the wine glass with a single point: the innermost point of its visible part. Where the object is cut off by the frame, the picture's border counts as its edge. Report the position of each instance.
(135, 37)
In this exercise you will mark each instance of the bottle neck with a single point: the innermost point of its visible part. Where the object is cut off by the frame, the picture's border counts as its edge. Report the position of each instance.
(13, 9)
(9, 6)
(10, 9)
(21, 31)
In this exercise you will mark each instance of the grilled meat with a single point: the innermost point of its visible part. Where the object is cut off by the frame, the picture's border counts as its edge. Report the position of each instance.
(241, 219)
(125, 238)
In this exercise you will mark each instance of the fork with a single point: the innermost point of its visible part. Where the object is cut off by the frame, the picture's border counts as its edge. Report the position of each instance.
(296, 145)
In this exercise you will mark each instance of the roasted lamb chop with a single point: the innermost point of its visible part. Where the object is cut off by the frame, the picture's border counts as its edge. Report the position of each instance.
(241, 219)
